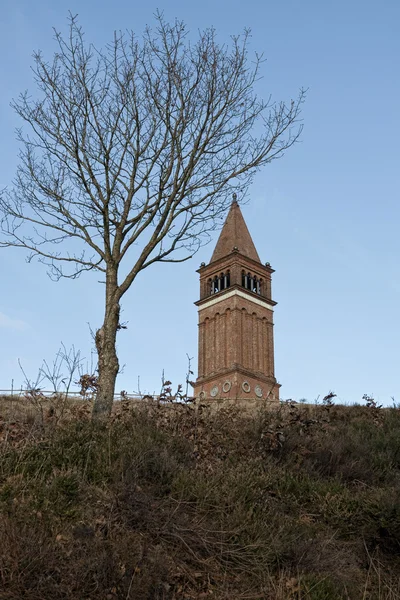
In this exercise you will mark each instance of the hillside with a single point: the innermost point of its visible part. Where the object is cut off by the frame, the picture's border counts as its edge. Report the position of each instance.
(165, 502)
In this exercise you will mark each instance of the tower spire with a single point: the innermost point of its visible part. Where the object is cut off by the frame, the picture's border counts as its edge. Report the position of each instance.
(235, 235)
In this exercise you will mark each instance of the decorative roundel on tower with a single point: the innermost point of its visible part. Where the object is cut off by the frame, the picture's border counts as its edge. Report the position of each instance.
(214, 391)
(202, 395)
(226, 386)
(258, 391)
(246, 386)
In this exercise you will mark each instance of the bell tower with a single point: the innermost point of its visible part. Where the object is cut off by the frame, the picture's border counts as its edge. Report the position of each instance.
(236, 345)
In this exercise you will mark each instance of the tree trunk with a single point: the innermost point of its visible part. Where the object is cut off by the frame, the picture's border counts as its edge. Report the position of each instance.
(108, 364)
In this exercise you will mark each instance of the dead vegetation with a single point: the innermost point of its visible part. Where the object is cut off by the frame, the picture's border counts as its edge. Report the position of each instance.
(170, 502)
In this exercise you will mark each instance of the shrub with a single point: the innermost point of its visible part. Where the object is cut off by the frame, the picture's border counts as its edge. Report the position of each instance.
(173, 503)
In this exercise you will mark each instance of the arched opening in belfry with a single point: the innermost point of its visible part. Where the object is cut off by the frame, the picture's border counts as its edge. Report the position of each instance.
(251, 282)
(246, 278)
(225, 280)
(219, 282)
(255, 285)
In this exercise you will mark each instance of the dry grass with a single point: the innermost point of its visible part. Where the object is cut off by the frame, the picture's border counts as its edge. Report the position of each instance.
(173, 503)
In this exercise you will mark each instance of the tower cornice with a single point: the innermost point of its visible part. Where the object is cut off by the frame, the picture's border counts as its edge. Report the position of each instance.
(234, 256)
(236, 290)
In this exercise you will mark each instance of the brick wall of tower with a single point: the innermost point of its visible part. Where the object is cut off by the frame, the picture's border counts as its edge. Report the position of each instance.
(236, 332)
(236, 346)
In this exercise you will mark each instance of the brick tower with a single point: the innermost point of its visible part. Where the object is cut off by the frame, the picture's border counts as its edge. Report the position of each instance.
(236, 347)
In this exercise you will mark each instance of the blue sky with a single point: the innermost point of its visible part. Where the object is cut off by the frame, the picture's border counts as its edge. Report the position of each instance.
(326, 216)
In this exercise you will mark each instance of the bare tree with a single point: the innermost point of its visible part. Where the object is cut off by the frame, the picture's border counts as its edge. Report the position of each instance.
(132, 155)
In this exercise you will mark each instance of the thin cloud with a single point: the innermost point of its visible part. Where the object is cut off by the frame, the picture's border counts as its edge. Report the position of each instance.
(9, 323)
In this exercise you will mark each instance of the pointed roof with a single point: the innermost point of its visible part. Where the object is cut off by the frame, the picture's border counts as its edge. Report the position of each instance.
(235, 234)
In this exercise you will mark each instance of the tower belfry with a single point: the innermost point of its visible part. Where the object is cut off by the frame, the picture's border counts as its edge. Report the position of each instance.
(236, 346)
